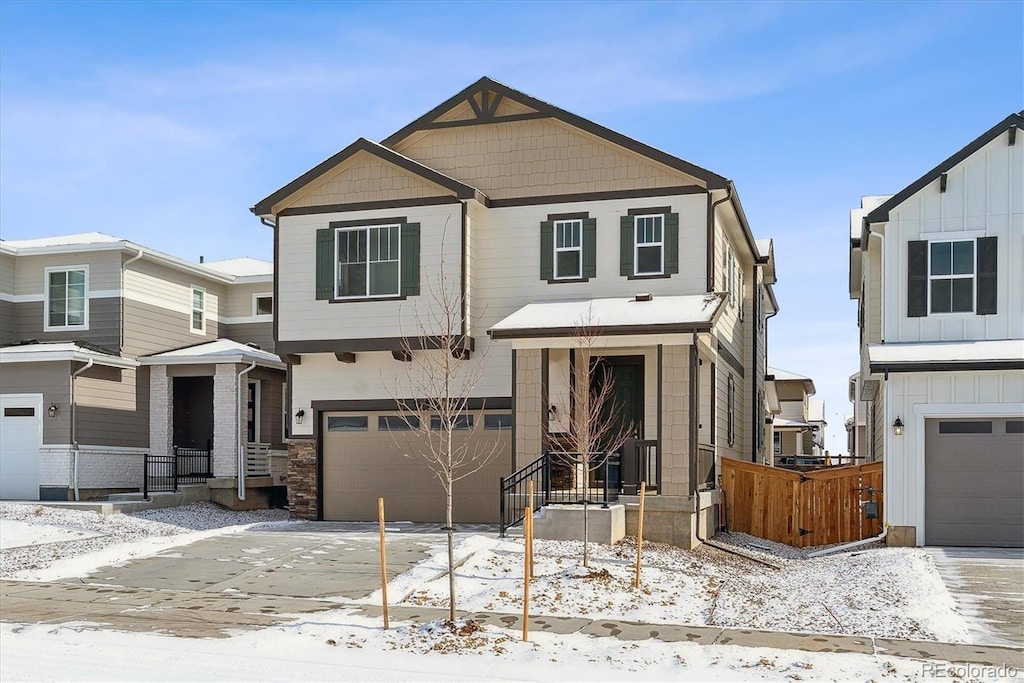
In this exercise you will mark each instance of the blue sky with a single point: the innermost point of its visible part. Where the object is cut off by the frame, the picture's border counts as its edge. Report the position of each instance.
(163, 122)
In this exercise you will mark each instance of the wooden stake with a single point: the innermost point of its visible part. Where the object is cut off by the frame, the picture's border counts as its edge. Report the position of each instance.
(528, 524)
(383, 561)
(640, 534)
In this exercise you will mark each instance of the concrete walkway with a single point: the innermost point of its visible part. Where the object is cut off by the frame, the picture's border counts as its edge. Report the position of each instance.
(988, 585)
(256, 579)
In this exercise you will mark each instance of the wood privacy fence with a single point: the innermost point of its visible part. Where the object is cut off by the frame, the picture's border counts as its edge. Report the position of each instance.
(801, 509)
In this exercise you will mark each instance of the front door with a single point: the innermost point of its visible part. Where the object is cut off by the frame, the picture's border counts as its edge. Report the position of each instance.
(625, 411)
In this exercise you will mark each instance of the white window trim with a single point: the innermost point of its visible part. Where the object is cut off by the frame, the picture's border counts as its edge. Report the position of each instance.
(192, 309)
(560, 250)
(337, 264)
(777, 443)
(46, 299)
(262, 295)
(637, 244)
(973, 276)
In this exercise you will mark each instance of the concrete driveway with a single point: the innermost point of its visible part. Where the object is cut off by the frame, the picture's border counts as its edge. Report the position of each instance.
(988, 585)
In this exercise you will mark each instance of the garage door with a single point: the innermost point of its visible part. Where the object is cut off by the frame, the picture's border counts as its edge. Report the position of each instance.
(974, 482)
(369, 455)
(21, 436)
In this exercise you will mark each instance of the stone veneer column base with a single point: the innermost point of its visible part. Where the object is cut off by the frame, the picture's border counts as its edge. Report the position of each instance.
(302, 483)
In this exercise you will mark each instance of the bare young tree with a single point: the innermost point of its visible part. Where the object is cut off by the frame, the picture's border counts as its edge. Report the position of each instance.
(596, 431)
(439, 382)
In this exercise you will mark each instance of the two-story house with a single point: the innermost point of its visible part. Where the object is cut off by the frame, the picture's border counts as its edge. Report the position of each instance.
(541, 220)
(938, 272)
(110, 350)
(798, 430)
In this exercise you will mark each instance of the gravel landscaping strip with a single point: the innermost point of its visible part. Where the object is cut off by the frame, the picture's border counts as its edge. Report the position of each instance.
(116, 528)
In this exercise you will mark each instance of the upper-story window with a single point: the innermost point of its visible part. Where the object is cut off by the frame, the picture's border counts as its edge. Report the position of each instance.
(568, 249)
(951, 274)
(380, 260)
(67, 298)
(730, 411)
(263, 304)
(369, 262)
(198, 319)
(649, 244)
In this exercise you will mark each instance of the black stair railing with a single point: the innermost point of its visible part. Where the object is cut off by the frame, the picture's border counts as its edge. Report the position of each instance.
(163, 473)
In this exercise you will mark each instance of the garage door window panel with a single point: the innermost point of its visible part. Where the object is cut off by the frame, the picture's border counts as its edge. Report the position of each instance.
(501, 421)
(460, 423)
(397, 423)
(1015, 426)
(955, 427)
(347, 424)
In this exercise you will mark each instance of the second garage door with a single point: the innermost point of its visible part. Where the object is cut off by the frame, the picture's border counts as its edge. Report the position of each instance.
(369, 455)
(974, 482)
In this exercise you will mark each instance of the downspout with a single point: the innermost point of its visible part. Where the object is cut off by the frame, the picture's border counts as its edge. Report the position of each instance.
(124, 267)
(855, 544)
(74, 425)
(241, 439)
(711, 237)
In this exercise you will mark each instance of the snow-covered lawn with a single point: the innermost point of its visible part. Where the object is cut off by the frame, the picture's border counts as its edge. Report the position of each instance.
(885, 592)
(878, 592)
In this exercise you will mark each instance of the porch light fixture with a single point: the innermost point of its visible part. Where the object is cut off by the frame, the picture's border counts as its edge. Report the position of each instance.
(552, 412)
(897, 427)
(52, 410)
(299, 415)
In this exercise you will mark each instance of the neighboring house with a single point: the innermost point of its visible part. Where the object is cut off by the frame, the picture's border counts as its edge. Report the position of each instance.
(86, 388)
(856, 424)
(543, 220)
(938, 272)
(799, 427)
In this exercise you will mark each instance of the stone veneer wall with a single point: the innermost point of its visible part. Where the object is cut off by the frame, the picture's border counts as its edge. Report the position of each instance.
(302, 483)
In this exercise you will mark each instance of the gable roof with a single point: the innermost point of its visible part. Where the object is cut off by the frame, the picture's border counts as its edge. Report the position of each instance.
(487, 87)
(460, 189)
(881, 213)
(217, 351)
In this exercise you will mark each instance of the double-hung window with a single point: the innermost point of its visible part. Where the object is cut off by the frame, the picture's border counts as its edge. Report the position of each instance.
(198, 321)
(649, 245)
(369, 262)
(951, 270)
(66, 298)
(568, 249)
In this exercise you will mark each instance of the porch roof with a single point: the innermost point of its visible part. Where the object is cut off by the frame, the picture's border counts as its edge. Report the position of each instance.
(42, 352)
(783, 423)
(992, 354)
(218, 351)
(620, 316)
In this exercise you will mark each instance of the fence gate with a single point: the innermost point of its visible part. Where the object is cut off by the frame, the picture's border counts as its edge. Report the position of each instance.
(802, 509)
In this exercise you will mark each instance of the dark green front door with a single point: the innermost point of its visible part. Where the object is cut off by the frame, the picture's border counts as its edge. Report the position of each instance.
(626, 409)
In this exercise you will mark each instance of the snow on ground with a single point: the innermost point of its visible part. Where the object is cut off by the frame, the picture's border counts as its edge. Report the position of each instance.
(891, 592)
(106, 539)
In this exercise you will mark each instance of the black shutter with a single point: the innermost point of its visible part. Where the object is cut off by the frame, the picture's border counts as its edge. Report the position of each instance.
(547, 250)
(626, 246)
(987, 275)
(324, 263)
(410, 285)
(671, 243)
(917, 279)
(589, 247)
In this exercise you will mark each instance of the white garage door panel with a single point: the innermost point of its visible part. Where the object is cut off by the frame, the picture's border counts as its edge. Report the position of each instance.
(21, 436)
(974, 483)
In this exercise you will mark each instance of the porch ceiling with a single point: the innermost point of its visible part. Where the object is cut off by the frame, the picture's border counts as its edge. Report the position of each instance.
(616, 318)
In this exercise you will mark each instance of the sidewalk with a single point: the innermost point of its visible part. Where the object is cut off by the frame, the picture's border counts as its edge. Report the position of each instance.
(218, 615)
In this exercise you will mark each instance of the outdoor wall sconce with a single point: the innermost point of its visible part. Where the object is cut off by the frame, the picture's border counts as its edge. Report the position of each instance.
(299, 415)
(52, 410)
(897, 427)
(552, 412)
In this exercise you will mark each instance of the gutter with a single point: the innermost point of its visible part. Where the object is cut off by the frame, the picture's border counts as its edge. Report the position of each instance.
(241, 440)
(74, 425)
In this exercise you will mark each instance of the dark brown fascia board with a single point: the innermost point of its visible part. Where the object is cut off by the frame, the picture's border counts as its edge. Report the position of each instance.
(881, 213)
(369, 206)
(336, 346)
(947, 366)
(734, 199)
(595, 196)
(608, 330)
(732, 360)
(461, 190)
(390, 404)
(713, 180)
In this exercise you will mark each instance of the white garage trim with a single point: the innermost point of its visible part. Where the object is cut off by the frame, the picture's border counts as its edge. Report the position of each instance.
(925, 411)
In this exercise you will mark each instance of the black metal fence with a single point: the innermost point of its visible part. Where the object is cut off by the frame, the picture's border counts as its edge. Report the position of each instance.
(166, 472)
(640, 463)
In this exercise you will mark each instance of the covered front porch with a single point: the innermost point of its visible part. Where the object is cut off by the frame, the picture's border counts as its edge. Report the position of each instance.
(650, 355)
(217, 418)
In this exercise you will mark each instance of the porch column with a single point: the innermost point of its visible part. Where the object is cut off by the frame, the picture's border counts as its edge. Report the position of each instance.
(527, 405)
(225, 420)
(675, 421)
(161, 411)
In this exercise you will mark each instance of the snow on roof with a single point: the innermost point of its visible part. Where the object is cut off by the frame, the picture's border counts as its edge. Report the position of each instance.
(783, 422)
(867, 204)
(783, 375)
(242, 266)
(61, 351)
(219, 351)
(65, 240)
(815, 410)
(948, 352)
(661, 314)
(764, 246)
